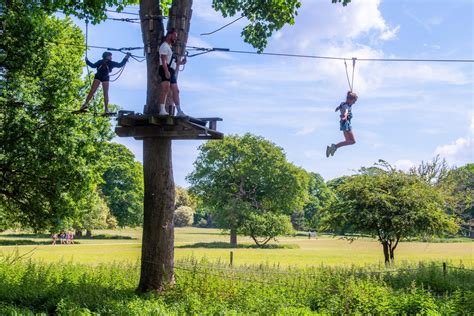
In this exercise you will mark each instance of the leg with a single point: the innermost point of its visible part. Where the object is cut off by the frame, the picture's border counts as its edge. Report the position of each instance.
(349, 139)
(175, 90)
(105, 88)
(95, 85)
(165, 87)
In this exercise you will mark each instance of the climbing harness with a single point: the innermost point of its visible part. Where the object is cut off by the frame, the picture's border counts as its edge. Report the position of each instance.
(351, 83)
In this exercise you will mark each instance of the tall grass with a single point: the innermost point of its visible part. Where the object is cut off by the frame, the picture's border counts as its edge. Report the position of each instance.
(217, 289)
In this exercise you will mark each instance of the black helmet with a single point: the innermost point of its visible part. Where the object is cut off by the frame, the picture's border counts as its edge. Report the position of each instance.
(106, 54)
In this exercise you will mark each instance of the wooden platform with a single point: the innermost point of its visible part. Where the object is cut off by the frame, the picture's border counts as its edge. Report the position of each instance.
(139, 126)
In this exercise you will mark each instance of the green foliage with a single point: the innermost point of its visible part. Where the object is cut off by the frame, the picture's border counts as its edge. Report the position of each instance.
(264, 227)
(183, 216)
(244, 175)
(95, 215)
(183, 198)
(122, 185)
(215, 289)
(389, 206)
(49, 157)
(320, 195)
(458, 184)
(265, 17)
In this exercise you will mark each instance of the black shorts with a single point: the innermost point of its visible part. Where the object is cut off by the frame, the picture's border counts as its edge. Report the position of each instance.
(172, 78)
(102, 78)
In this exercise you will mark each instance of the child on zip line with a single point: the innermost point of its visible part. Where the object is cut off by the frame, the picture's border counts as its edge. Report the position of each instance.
(345, 109)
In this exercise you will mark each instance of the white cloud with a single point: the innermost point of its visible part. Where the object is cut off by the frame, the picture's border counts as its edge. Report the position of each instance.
(404, 164)
(460, 151)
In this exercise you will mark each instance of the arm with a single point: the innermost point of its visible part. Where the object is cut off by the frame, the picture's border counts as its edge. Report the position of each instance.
(181, 61)
(90, 64)
(344, 116)
(114, 64)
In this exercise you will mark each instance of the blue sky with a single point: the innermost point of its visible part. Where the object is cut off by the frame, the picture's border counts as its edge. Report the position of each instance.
(406, 112)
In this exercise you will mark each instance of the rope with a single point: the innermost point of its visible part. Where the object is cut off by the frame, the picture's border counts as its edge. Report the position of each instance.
(87, 43)
(351, 83)
(215, 31)
(206, 50)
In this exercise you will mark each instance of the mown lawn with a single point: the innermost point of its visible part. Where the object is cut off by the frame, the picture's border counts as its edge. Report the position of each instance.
(323, 250)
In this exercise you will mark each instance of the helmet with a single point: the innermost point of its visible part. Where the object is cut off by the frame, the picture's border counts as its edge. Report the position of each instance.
(106, 54)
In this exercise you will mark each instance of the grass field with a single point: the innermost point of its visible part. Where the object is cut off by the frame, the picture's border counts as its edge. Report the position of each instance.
(323, 250)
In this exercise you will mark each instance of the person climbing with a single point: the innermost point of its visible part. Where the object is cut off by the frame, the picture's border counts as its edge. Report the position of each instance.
(345, 109)
(104, 67)
(167, 71)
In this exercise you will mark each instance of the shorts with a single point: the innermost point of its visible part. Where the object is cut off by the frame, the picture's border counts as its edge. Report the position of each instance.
(172, 78)
(102, 78)
(345, 126)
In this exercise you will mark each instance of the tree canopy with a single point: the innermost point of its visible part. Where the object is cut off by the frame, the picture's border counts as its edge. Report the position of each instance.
(49, 157)
(122, 185)
(389, 206)
(244, 175)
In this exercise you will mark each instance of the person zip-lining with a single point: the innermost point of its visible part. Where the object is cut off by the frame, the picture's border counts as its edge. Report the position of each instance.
(167, 71)
(104, 67)
(345, 109)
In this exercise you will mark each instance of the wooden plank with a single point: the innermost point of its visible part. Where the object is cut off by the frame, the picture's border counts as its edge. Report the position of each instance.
(209, 119)
(154, 131)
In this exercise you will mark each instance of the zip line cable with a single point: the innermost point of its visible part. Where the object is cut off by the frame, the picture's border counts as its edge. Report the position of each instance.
(123, 12)
(205, 50)
(209, 50)
(222, 27)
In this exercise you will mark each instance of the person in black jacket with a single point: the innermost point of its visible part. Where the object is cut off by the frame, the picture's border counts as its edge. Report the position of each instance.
(104, 67)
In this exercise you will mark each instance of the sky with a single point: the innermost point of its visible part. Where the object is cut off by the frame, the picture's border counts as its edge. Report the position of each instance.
(406, 112)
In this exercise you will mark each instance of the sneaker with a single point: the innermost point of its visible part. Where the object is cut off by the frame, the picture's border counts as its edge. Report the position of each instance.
(328, 151)
(181, 114)
(163, 112)
(333, 149)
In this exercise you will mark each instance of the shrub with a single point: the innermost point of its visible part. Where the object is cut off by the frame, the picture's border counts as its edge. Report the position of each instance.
(183, 216)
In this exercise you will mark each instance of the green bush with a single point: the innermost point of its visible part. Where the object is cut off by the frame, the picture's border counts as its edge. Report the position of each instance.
(216, 289)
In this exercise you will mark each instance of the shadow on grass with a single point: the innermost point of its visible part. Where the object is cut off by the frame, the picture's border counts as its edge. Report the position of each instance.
(225, 245)
(24, 235)
(26, 242)
(104, 236)
(204, 233)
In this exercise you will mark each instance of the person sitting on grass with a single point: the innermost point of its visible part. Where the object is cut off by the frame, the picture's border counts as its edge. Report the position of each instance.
(345, 109)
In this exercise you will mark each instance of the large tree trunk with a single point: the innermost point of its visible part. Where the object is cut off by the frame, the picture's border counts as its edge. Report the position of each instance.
(157, 266)
(158, 228)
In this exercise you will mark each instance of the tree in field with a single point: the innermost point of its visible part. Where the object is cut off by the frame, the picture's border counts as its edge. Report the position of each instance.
(264, 18)
(183, 216)
(320, 195)
(122, 185)
(95, 215)
(389, 206)
(48, 160)
(458, 185)
(245, 181)
(183, 198)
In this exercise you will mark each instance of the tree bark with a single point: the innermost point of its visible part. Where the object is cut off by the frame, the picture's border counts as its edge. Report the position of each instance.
(78, 234)
(157, 266)
(386, 252)
(88, 233)
(158, 240)
(233, 237)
